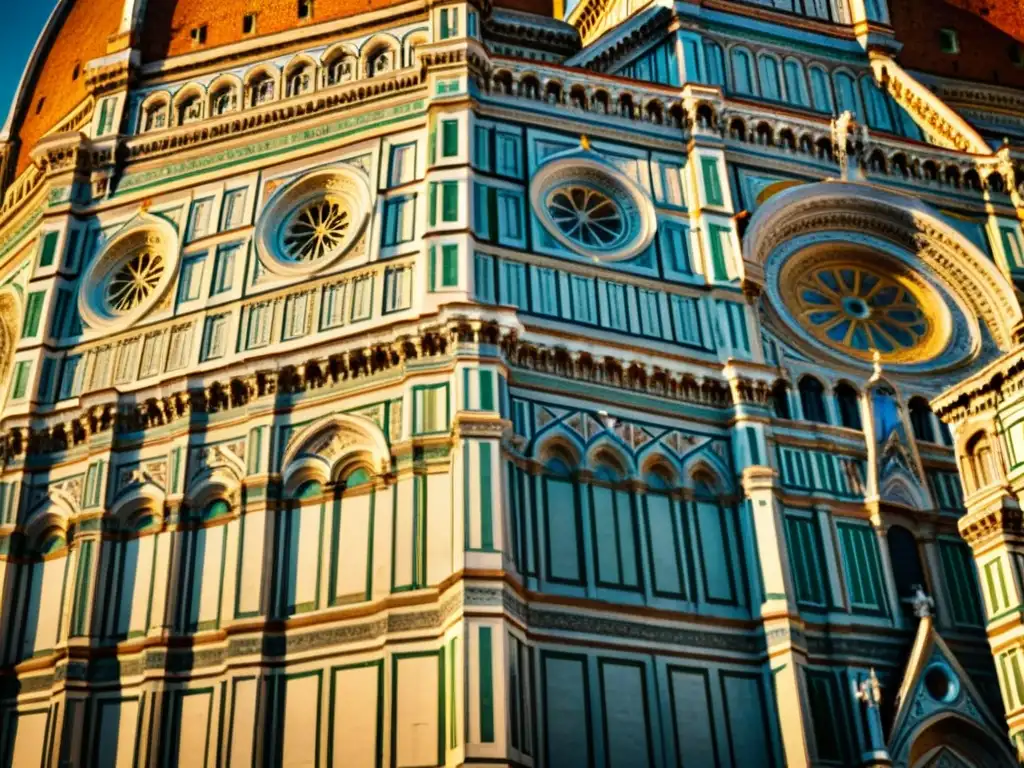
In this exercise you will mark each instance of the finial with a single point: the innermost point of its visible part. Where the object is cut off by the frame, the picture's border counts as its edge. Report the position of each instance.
(146, 205)
(923, 603)
(876, 359)
(585, 142)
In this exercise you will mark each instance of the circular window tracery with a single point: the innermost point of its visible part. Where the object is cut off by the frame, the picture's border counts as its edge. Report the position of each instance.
(134, 281)
(311, 223)
(587, 216)
(131, 275)
(850, 295)
(316, 230)
(863, 310)
(591, 208)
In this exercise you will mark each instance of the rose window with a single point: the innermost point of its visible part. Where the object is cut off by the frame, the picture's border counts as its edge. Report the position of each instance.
(135, 281)
(316, 230)
(861, 303)
(132, 275)
(587, 216)
(589, 207)
(856, 308)
(314, 222)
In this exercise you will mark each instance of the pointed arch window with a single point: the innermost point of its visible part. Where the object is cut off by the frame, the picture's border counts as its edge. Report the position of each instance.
(907, 570)
(563, 525)
(615, 536)
(719, 552)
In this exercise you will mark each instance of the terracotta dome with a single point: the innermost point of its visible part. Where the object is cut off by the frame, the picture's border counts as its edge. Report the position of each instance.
(990, 34)
(54, 82)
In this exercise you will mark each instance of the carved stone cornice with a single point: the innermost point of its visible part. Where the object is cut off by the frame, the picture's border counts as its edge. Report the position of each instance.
(62, 152)
(940, 122)
(532, 31)
(139, 412)
(613, 372)
(997, 515)
(984, 391)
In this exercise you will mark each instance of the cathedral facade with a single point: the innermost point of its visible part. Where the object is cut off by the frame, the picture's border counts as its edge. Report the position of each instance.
(487, 382)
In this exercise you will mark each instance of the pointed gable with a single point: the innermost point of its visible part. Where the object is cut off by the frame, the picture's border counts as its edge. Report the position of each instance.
(938, 698)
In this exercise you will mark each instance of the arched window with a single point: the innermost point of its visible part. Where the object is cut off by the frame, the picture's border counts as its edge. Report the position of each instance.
(812, 400)
(39, 626)
(796, 83)
(714, 59)
(821, 90)
(921, 420)
(563, 524)
(341, 69)
(352, 511)
(616, 541)
(261, 90)
(719, 553)
(742, 63)
(886, 410)
(780, 400)
(357, 477)
(846, 94)
(661, 512)
(849, 406)
(190, 109)
(154, 117)
(979, 469)
(905, 556)
(300, 80)
(768, 69)
(309, 490)
(216, 509)
(876, 108)
(380, 62)
(223, 100)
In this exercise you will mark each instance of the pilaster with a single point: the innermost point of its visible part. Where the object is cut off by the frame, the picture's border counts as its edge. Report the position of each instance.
(782, 625)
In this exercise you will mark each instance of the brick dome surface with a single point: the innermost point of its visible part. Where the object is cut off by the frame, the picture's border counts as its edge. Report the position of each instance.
(988, 32)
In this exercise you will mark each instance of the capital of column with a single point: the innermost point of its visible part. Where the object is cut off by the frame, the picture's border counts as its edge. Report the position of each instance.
(759, 479)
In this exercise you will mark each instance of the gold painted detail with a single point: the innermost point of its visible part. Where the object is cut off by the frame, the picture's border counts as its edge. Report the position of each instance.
(858, 310)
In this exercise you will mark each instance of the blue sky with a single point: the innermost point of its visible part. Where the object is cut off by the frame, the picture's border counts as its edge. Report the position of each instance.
(20, 25)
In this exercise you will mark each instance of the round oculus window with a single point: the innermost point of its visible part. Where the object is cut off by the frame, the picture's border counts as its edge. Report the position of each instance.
(864, 303)
(134, 280)
(593, 209)
(316, 230)
(587, 216)
(313, 222)
(130, 276)
(940, 683)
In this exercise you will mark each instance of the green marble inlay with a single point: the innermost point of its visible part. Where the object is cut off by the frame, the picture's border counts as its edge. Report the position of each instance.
(269, 147)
